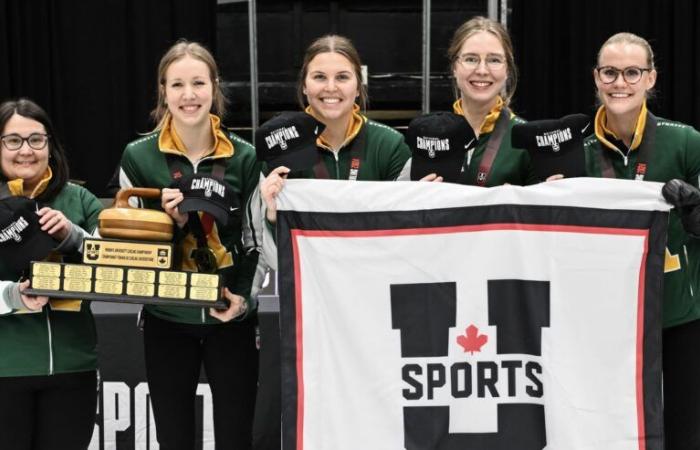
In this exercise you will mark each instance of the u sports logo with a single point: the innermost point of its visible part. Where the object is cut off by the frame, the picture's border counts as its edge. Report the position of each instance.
(518, 309)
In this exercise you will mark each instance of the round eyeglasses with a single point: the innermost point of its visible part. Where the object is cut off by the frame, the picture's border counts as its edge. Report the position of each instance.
(471, 61)
(631, 74)
(36, 141)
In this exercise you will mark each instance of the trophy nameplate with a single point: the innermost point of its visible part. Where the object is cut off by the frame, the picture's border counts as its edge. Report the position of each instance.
(75, 285)
(174, 278)
(125, 284)
(109, 252)
(141, 289)
(141, 276)
(50, 283)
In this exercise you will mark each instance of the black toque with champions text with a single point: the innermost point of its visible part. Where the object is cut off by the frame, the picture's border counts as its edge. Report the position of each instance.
(555, 146)
(21, 237)
(439, 142)
(289, 139)
(204, 193)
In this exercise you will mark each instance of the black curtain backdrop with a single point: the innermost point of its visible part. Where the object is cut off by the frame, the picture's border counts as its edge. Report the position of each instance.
(557, 43)
(92, 66)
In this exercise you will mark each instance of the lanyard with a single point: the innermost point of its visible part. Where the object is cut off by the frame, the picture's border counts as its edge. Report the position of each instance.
(203, 256)
(645, 150)
(356, 148)
(492, 147)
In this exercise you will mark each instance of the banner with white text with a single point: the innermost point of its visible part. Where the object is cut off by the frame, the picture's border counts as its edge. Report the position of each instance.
(435, 316)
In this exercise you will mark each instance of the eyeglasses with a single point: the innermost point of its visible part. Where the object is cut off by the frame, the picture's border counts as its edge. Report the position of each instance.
(631, 74)
(36, 141)
(471, 61)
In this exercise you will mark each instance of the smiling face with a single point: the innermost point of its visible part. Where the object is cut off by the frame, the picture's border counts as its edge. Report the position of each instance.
(620, 97)
(188, 92)
(25, 163)
(481, 82)
(331, 86)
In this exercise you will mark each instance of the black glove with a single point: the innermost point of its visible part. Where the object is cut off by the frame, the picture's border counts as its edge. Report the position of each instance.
(686, 199)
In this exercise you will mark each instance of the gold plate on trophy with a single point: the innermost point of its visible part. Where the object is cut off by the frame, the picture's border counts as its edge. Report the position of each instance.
(170, 291)
(77, 285)
(108, 287)
(109, 273)
(140, 289)
(50, 283)
(176, 278)
(204, 280)
(204, 293)
(79, 271)
(141, 276)
(110, 252)
(44, 269)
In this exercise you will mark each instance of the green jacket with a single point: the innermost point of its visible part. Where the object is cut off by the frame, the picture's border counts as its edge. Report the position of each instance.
(52, 341)
(143, 164)
(511, 165)
(384, 154)
(676, 155)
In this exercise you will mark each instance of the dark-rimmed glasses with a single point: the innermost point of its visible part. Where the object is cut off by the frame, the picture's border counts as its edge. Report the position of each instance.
(631, 74)
(36, 141)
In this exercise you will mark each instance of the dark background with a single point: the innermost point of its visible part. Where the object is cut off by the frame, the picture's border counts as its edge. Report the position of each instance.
(92, 64)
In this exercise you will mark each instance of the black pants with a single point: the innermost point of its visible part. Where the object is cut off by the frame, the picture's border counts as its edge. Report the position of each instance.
(54, 412)
(681, 347)
(174, 354)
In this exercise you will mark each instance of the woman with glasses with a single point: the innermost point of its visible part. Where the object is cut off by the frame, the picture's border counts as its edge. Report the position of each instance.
(485, 77)
(629, 142)
(48, 355)
(189, 139)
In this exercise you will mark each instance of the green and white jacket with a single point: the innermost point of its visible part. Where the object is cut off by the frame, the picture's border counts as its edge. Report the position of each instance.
(676, 155)
(144, 164)
(60, 338)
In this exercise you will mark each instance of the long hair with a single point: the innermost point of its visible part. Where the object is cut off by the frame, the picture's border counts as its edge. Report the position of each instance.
(470, 28)
(332, 43)
(179, 50)
(57, 156)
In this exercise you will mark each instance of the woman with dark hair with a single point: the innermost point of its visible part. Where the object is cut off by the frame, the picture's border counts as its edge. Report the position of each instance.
(178, 341)
(48, 357)
(330, 89)
(629, 142)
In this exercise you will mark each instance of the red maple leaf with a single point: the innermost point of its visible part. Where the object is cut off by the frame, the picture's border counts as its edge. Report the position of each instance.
(472, 341)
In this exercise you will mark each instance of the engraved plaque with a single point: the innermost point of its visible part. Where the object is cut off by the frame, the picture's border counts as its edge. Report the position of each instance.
(141, 276)
(140, 289)
(77, 285)
(48, 283)
(109, 273)
(127, 253)
(170, 291)
(46, 269)
(204, 280)
(108, 287)
(77, 271)
(177, 278)
(204, 293)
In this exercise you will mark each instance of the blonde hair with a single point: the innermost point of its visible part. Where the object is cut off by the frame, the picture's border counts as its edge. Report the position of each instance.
(179, 50)
(469, 29)
(632, 39)
(333, 43)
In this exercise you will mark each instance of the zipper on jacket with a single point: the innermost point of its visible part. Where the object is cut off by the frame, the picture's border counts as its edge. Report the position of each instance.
(48, 326)
(337, 167)
(687, 266)
(195, 166)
